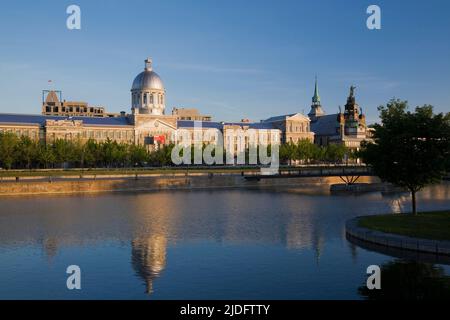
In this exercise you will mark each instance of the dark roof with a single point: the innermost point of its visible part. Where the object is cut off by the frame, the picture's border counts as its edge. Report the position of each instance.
(40, 119)
(254, 125)
(279, 118)
(325, 125)
(203, 124)
(219, 125)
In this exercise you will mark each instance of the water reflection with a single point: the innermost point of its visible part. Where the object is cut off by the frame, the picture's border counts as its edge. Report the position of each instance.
(410, 280)
(148, 257)
(227, 241)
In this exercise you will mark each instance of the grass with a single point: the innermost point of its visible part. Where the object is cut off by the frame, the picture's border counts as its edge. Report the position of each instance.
(427, 225)
(119, 171)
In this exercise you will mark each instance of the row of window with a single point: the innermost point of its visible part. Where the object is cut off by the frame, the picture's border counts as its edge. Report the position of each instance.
(118, 135)
(21, 132)
(299, 128)
(49, 109)
(148, 98)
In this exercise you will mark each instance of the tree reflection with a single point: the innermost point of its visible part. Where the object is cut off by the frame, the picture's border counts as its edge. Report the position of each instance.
(409, 280)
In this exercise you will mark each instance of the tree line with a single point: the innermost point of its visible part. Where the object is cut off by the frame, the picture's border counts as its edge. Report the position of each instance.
(305, 151)
(25, 153)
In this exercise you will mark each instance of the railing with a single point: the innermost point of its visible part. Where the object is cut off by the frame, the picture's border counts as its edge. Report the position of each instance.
(316, 171)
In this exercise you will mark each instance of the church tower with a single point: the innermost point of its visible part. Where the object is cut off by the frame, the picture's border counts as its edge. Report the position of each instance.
(355, 120)
(316, 106)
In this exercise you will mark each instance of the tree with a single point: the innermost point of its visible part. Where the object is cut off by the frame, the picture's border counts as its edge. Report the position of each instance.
(288, 152)
(63, 151)
(410, 149)
(138, 154)
(335, 152)
(26, 151)
(8, 148)
(45, 155)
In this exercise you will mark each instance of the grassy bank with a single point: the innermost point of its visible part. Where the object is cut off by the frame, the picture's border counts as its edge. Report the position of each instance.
(426, 225)
(120, 171)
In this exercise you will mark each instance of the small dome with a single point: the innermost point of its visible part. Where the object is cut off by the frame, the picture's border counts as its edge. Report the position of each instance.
(148, 79)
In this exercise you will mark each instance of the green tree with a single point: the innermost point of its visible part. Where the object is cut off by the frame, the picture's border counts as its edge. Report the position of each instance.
(410, 149)
(287, 153)
(8, 148)
(335, 152)
(63, 151)
(137, 154)
(45, 155)
(305, 150)
(26, 151)
(91, 153)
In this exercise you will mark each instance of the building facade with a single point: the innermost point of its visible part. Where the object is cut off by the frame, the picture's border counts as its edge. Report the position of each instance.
(347, 128)
(149, 125)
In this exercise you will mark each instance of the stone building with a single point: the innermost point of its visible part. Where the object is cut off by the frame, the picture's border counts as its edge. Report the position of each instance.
(293, 127)
(147, 124)
(348, 128)
(54, 106)
(189, 114)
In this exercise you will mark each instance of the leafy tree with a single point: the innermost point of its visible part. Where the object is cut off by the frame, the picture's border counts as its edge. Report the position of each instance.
(26, 151)
(8, 147)
(410, 149)
(63, 151)
(305, 150)
(335, 152)
(288, 152)
(45, 155)
(91, 153)
(138, 154)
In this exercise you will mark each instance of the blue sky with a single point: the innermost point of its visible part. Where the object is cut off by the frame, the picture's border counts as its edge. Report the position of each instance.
(231, 59)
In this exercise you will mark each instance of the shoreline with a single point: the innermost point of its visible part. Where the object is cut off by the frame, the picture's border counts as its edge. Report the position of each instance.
(390, 240)
(156, 182)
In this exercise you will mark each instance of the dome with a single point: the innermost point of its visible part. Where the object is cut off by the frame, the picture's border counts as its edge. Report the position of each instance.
(148, 79)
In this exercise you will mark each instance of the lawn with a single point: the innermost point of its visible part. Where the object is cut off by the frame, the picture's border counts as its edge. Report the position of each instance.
(120, 171)
(426, 225)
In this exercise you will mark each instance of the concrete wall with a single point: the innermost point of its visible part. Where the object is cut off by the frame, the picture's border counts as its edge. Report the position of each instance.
(153, 183)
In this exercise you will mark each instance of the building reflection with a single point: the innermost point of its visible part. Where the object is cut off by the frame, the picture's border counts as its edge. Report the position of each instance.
(148, 258)
(152, 223)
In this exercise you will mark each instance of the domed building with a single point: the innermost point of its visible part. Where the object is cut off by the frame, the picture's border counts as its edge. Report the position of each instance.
(148, 124)
(148, 95)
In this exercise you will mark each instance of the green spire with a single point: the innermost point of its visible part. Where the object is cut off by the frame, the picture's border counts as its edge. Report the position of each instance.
(316, 97)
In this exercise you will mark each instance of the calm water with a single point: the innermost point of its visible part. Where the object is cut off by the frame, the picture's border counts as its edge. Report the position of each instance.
(226, 244)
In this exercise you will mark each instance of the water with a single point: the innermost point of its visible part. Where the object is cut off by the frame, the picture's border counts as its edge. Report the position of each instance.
(222, 244)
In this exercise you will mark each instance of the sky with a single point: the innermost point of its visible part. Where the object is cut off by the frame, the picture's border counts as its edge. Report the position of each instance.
(230, 59)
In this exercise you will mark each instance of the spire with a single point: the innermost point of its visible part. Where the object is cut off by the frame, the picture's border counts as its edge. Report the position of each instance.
(148, 64)
(316, 97)
(316, 108)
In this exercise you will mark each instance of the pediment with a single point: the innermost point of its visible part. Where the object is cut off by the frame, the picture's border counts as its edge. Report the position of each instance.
(155, 124)
(298, 117)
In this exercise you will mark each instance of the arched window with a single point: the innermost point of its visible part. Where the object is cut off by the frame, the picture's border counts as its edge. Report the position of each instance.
(151, 98)
(145, 98)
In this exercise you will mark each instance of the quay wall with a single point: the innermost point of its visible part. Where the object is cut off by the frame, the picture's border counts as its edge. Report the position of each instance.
(155, 183)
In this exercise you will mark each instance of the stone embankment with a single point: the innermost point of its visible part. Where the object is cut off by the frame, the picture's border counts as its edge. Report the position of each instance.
(151, 182)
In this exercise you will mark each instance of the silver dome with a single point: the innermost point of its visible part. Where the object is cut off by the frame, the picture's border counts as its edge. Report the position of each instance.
(147, 80)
